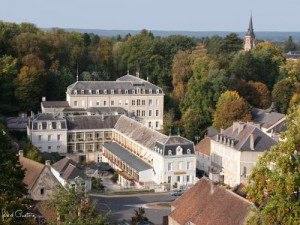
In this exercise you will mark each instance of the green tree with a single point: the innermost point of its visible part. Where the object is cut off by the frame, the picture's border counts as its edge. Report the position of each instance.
(35, 155)
(72, 207)
(283, 92)
(289, 45)
(12, 188)
(139, 216)
(230, 107)
(274, 183)
(231, 43)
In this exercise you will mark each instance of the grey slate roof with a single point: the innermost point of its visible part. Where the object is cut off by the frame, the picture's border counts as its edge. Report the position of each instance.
(127, 82)
(68, 169)
(55, 104)
(250, 29)
(130, 159)
(266, 118)
(92, 122)
(62, 164)
(45, 118)
(242, 138)
(107, 110)
(139, 132)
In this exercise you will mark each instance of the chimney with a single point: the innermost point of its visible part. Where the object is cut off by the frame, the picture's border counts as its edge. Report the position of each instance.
(232, 143)
(43, 99)
(241, 126)
(252, 141)
(48, 163)
(21, 153)
(213, 187)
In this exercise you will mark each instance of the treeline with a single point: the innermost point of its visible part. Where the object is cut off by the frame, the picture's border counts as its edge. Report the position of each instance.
(193, 73)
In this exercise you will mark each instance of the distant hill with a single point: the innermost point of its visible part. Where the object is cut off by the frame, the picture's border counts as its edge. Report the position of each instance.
(263, 35)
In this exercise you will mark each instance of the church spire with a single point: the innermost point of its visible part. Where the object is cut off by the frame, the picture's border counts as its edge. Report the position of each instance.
(250, 37)
(250, 29)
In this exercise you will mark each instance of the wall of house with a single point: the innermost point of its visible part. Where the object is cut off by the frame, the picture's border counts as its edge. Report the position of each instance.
(146, 175)
(147, 109)
(57, 176)
(203, 162)
(248, 161)
(45, 186)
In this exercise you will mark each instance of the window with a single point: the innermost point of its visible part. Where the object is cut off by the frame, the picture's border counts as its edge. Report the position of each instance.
(178, 179)
(90, 91)
(188, 151)
(82, 92)
(169, 179)
(149, 124)
(75, 92)
(143, 102)
(120, 102)
(49, 147)
(133, 92)
(112, 102)
(119, 91)
(138, 113)
(157, 91)
(104, 103)
(170, 166)
(133, 102)
(40, 126)
(58, 125)
(150, 91)
(49, 137)
(143, 112)
(112, 92)
(143, 91)
(49, 126)
(138, 90)
(138, 102)
(126, 102)
(187, 178)
(97, 92)
(157, 112)
(126, 91)
(150, 112)
(150, 102)
(169, 152)
(98, 103)
(58, 137)
(75, 103)
(42, 191)
(189, 165)
(157, 124)
(104, 91)
(180, 165)
(40, 137)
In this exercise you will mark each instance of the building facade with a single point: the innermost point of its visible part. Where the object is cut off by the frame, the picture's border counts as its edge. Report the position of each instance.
(141, 99)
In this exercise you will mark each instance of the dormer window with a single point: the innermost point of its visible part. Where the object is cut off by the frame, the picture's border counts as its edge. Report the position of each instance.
(150, 91)
(112, 92)
(119, 91)
(157, 91)
(188, 151)
(75, 92)
(40, 126)
(97, 92)
(138, 90)
(126, 91)
(82, 92)
(49, 126)
(178, 150)
(160, 151)
(105, 91)
(90, 91)
(58, 124)
(143, 91)
(170, 152)
(133, 92)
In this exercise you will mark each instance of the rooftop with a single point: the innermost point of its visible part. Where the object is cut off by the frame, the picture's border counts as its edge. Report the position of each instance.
(129, 158)
(210, 204)
(266, 118)
(204, 146)
(55, 104)
(92, 122)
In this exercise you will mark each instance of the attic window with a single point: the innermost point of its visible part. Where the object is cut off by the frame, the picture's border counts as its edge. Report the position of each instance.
(170, 152)
(104, 91)
(82, 92)
(133, 92)
(119, 91)
(126, 91)
(143, 91)
(97, 92)
(157, 91)
(75, 92)
(178, 150)
(112, 92)
(150, 91)
(188, 151)
(160, 151)
(90, 91)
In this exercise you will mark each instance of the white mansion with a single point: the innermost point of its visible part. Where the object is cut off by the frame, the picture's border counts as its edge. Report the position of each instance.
(141, 155)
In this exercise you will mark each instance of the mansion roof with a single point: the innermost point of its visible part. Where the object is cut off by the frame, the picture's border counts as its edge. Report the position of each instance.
(127, 84)
(91, 122)
(55, 104)
(45, 119)
(204, 146)
(267, 118)
(210, 204)
(129, 158)
(68, 169)
(245, 137)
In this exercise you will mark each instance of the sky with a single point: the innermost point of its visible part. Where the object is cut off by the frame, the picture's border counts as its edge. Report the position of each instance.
(169, 15)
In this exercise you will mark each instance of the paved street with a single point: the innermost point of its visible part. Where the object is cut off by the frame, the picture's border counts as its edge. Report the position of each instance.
(122, 207)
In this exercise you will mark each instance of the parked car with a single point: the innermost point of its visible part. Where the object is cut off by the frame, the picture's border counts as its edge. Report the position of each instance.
(178, 192)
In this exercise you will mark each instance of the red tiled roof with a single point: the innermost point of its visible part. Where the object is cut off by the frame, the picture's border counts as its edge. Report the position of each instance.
(204, 146)
(207, 203)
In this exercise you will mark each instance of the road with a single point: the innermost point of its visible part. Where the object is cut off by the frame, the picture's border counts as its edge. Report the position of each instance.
(122, 207)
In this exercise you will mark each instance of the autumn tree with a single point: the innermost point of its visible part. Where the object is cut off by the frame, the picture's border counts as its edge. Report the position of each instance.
(35, 155)
(231, 107)
(274, 183)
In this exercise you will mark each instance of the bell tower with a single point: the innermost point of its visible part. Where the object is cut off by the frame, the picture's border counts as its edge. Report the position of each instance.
(250, 37)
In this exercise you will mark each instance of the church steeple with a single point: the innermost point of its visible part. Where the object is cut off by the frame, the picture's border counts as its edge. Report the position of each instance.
(250, 37)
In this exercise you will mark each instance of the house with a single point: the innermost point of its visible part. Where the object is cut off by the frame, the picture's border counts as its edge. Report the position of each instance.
(292, 55)
(140, 98)
(54, 107)
(67, 171)
(202, 150)
(272, 123)
(207, 203)
(48, 133)
(235, 151)
(40, 181)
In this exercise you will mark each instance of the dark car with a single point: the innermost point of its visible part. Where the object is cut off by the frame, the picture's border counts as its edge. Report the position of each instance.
(176, 192)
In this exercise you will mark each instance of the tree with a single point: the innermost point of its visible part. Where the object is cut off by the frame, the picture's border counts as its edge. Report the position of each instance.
(12, 188)
(231, 107)
(274, 183)
(264, 95)
(35, 155)
(289, 45)
(72, 207)
(231, 43)
(139, 216)
(283, 92)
